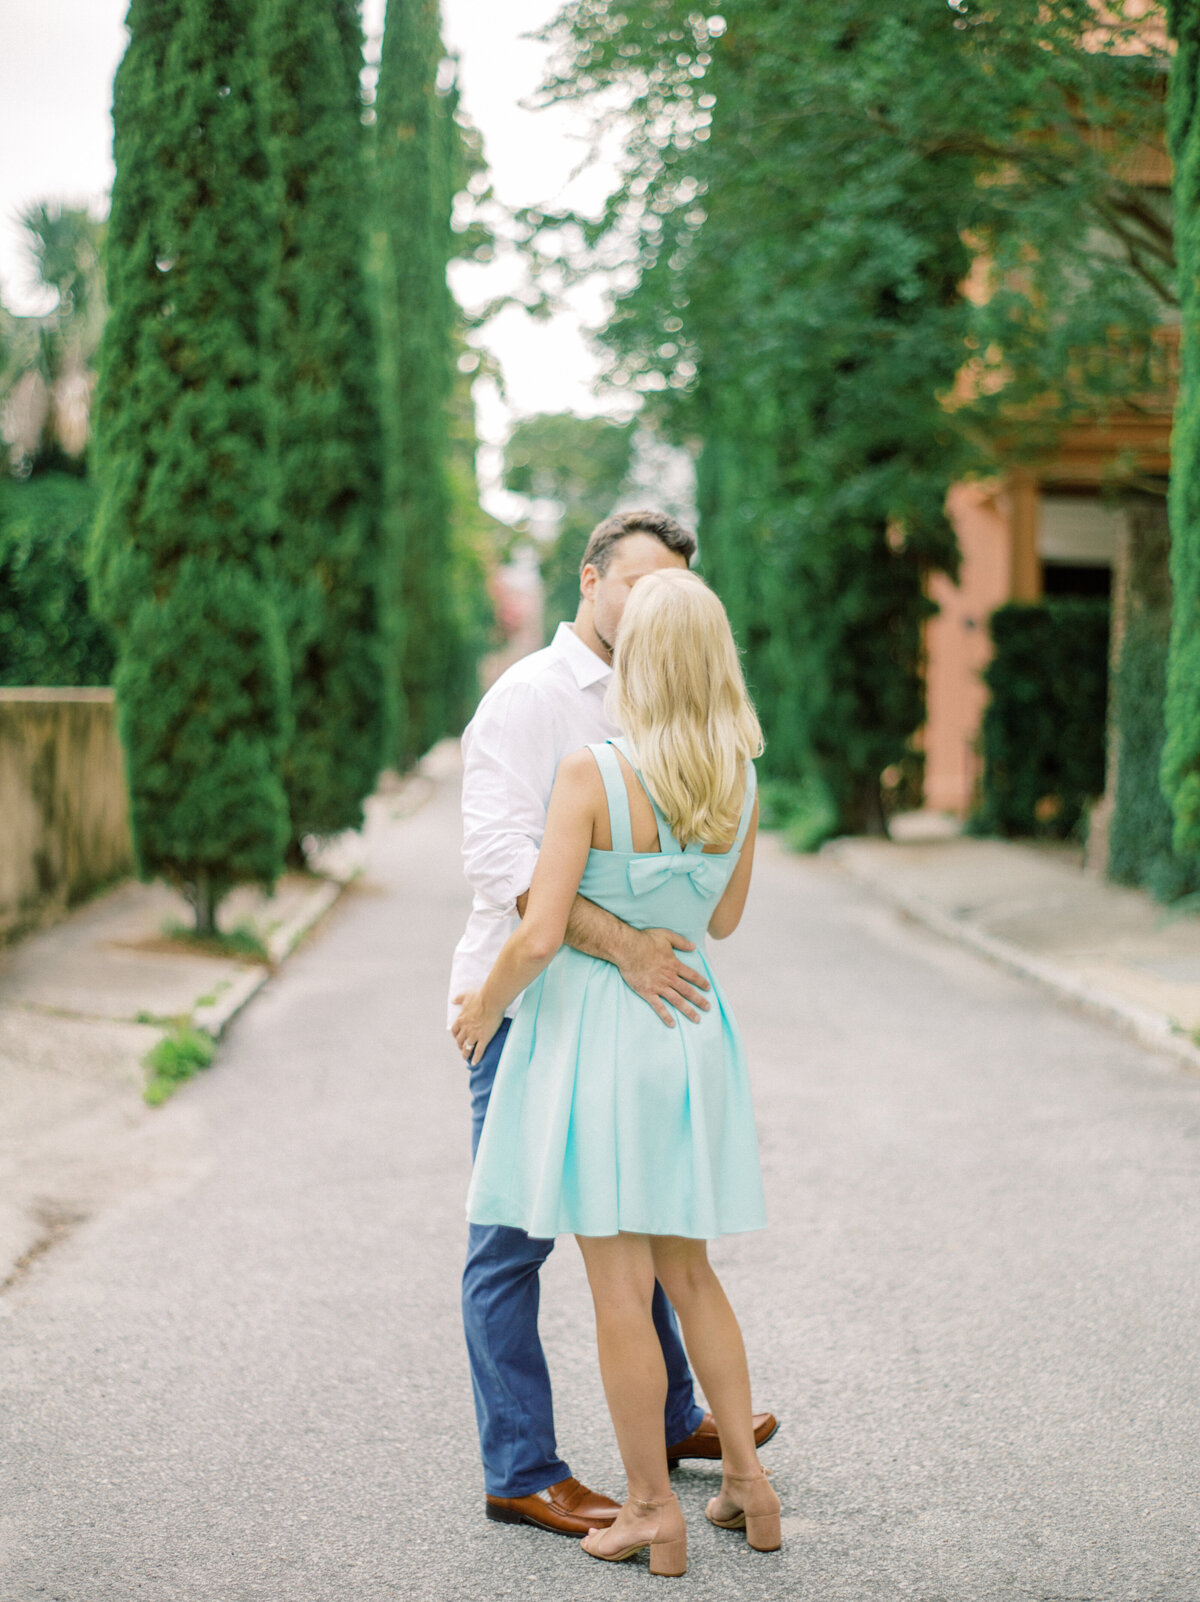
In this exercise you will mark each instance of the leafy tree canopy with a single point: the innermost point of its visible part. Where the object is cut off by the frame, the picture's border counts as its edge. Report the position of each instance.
(854, 251)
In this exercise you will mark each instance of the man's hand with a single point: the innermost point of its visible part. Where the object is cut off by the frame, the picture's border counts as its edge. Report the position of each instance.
(650, 964)
(647, 959)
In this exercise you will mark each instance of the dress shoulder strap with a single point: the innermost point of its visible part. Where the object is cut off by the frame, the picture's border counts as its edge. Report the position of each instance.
(668, 845)
(747, 805)
(620, 821)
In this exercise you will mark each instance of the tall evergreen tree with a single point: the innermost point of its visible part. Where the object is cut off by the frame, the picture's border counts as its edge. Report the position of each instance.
(475, 539)
(181, 557)
(415, 186)
(323, 407)
(1181, 752)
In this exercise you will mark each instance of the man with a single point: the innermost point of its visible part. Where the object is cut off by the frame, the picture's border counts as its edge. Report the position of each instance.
(543, 707)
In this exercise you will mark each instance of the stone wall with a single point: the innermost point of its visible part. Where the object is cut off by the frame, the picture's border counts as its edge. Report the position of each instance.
(64, 810)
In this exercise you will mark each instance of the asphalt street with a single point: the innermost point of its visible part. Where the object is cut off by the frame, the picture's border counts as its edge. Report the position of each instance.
(976, 1307)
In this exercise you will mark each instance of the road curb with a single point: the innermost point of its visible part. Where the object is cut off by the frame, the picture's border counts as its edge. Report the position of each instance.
(214, 1017)
(1149, 1028)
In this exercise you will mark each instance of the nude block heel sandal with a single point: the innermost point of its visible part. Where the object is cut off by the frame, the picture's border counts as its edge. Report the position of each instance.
(668, 1545)
(668, 1557)
(758, 1514)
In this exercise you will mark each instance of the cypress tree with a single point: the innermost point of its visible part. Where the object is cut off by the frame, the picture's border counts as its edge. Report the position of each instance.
(323, 407)
(473, 540)
(414, 192)
(1181, 751)
(472, 532)
(181, 555)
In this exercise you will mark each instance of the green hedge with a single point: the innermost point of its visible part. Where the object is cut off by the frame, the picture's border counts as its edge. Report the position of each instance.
(48, 635)
(801, 809)
(1044, 728)
(1140, 848)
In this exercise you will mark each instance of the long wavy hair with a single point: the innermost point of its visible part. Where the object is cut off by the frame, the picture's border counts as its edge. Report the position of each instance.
(678, 693)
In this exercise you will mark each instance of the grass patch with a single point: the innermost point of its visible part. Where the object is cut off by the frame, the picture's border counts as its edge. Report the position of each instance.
(800, 809)
(174, 1058)
(213, 996)
(244, 942)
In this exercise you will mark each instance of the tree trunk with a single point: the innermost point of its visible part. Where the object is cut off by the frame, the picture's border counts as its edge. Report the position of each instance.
(205, 899)
(864, 812)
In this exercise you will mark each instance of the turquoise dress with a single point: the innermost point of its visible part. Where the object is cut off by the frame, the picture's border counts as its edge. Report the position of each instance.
(602, 1118)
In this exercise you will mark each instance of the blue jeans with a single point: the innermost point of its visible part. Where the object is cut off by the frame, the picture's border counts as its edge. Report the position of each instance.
(513, 1406)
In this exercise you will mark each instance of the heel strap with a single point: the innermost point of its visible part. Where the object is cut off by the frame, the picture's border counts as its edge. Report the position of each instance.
(747, 1479)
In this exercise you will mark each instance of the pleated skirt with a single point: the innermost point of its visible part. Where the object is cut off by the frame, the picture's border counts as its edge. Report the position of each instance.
(603, 1119)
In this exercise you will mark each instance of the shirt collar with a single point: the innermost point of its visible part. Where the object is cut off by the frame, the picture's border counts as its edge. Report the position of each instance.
(586, 666)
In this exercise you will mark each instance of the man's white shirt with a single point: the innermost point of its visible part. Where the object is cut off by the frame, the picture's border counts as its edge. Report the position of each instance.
(544, 706)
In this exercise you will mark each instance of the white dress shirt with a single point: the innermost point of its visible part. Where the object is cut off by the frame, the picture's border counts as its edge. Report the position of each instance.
(544, 706)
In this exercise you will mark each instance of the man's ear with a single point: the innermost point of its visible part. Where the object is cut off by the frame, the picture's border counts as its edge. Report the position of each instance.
(588, 579)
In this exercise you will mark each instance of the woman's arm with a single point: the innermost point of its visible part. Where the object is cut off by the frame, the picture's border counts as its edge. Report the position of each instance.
(574, 803)
(727, 913)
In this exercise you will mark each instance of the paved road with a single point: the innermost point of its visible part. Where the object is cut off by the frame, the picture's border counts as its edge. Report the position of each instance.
(977, 1306)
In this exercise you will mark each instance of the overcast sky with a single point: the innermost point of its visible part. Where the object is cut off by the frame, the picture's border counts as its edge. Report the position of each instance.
(57, 59)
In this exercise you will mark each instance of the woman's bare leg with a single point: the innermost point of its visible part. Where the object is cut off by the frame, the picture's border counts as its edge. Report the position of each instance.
(714, 1344)
(620, 1270)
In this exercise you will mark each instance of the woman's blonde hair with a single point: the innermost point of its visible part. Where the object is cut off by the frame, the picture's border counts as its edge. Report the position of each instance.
(679, 695)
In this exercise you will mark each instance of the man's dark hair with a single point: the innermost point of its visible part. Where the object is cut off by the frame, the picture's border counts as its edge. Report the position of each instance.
(605, 536)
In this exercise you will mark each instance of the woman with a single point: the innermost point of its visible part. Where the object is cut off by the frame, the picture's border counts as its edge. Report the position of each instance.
(639, 1139)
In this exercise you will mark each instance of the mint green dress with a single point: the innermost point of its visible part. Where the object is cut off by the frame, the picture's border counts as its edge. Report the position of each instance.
(601, 1117)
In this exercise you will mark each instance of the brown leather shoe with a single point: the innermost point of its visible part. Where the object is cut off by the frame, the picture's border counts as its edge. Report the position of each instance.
(705, 1442)
(567, 1508)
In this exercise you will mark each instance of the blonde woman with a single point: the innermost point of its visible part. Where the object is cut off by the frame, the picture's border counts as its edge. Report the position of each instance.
(637, 1139)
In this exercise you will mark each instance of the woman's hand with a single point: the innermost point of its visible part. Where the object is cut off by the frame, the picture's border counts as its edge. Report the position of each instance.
(475, 1025)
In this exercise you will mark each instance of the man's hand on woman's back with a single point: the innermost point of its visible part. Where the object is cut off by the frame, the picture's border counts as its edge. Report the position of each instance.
(654, 969)
(647, 959)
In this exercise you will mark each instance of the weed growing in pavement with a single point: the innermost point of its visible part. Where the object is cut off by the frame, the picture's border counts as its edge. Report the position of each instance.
(212, 996)
(174, 1058)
